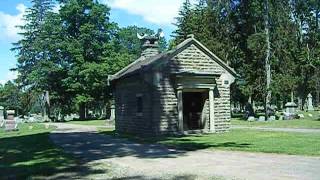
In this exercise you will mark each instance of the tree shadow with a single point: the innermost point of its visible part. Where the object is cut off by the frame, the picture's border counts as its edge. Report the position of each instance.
(35, 156)
(91, 146)
(176, 177)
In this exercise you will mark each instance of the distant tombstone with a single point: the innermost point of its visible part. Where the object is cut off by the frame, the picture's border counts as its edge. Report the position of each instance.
(1, 112)
(112, 112)
(262, 118)
(290, 111)
(10, 123)
(10, 114)
(32, 119)
(1, 117)
(300, 115)
(272, 118)
(251, 118)
(309, 103)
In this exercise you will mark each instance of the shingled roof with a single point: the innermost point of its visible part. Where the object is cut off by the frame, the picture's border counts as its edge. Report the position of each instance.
(144, 62)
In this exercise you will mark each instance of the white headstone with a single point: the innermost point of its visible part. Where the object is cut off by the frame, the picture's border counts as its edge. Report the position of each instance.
(251, 118)
(112, 113)
(309, 103)
(262, 118)
(272, 118)
(290, 111)
(1, 117)
(301, 115)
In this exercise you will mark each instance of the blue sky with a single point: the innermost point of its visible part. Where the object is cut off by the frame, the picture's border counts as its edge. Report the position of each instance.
(152, 14)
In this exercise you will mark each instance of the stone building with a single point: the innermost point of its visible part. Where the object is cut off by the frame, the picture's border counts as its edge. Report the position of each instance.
(183, 90)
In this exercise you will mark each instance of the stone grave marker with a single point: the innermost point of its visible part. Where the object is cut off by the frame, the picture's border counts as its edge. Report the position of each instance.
(262, 118)
(1, 117)
(112, 112)
(251, 118)
(290, 111)
(300, 115)
(10, 123)
(272, 118)
(309, 103)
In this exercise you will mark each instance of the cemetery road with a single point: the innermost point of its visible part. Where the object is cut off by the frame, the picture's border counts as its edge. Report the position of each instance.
(131, 160)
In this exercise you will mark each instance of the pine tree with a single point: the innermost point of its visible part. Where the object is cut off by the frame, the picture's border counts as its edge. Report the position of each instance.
(29, 48)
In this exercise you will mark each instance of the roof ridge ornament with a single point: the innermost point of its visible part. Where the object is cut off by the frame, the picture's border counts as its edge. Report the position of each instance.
(158, 35)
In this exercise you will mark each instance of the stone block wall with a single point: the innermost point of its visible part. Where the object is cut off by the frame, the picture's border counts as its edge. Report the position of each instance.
(160, 102)
(192, 59)
(165, 105)
(127, 118)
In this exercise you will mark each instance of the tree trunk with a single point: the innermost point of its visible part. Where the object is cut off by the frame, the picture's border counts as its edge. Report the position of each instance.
(82, 111)
(267, 60)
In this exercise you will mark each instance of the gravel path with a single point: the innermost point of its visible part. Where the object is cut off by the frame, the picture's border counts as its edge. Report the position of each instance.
(113, 158)
(299, 130)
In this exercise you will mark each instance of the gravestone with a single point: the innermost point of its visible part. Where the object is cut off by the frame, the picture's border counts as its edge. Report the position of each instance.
(112, 112)
(262, 118)
(309, 103)
(10, 123)
(251, 118)
(301, 116)
(290, 111)
(1, 117)
(272, 118)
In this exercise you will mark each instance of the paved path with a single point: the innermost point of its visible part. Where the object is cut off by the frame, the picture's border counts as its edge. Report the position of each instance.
(142, 161)
(299, 130)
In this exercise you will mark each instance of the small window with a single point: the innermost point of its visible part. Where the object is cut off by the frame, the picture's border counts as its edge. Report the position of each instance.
(139, 103)
(226, 82)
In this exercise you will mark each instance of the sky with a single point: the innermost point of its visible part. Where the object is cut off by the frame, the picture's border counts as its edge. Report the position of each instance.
(153, 14)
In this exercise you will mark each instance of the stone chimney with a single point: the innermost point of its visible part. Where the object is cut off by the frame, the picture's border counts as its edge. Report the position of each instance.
(150, 45)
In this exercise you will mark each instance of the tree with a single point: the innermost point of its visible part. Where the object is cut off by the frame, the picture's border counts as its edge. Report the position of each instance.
(9, 96)
(267, 61)
(254, 36)
(87, 32)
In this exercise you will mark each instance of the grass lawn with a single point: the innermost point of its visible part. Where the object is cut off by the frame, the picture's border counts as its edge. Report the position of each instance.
(88, 122)
(298, 123)
(306, 122)
(242, 140)
(27, 154)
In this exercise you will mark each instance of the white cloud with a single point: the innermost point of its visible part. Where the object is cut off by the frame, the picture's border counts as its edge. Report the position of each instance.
(11, 75)
(8, 23)
(161, 12)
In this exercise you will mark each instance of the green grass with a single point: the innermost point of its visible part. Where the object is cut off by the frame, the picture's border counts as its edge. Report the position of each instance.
(241, 140)
(300, 123)
(29, 153)
(88, 122)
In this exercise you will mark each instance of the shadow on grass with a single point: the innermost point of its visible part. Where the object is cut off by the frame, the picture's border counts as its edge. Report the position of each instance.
(22, 157)
(178, 142)
(178, 177)
(35, 156)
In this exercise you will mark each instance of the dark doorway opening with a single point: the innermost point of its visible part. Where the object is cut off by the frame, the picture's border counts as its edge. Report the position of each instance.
(193, 105)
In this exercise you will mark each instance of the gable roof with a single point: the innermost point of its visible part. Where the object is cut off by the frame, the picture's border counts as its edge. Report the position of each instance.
(142, 62)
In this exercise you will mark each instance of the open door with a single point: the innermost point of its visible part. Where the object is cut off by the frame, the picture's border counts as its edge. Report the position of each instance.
(193, 104)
